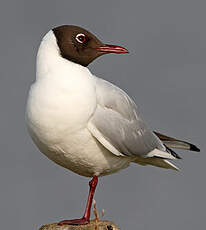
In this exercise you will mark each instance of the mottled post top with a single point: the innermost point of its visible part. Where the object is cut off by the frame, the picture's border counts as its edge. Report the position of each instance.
(93, 225)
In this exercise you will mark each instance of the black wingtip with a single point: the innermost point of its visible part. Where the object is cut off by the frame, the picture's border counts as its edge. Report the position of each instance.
(176, 155)
(173, 153)
(194, 148)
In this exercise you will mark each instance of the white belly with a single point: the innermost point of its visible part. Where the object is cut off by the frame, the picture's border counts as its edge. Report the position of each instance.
(83, 154)
(57, 121)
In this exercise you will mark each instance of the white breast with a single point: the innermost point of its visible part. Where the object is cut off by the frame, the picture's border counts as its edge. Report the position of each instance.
(63, 97)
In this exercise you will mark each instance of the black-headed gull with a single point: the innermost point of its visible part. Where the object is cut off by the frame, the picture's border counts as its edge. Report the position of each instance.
(84, 123)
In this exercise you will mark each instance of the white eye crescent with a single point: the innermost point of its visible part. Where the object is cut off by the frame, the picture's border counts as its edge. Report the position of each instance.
(81, 38)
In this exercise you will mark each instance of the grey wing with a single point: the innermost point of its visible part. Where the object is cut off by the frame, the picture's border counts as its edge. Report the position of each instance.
(117, 124)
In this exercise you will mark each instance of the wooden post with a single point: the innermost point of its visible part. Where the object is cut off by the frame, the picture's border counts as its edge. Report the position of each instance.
(93, 225)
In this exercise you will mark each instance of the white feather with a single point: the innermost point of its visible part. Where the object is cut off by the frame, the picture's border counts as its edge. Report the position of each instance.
(160, 153)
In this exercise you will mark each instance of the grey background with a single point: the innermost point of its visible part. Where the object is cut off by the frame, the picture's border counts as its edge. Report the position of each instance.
(164, 73)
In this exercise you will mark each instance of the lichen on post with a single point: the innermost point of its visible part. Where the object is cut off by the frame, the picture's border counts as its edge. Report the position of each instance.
(93, 225)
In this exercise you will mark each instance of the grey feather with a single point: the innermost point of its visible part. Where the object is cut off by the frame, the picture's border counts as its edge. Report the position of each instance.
(117, 122)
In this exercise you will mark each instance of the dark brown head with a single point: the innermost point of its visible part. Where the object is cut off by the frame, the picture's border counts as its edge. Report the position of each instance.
(80, 46)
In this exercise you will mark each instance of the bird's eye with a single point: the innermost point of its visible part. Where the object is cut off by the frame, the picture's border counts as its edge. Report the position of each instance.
(81, 38)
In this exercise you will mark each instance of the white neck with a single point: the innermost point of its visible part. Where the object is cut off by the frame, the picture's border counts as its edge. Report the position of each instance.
(49, 58)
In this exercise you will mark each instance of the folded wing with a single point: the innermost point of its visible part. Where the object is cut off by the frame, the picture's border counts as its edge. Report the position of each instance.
(117, 125)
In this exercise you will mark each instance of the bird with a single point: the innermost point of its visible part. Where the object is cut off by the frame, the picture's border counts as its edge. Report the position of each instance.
(85, 123)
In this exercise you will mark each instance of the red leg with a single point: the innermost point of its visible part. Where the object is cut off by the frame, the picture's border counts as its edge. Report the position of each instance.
(86, 217)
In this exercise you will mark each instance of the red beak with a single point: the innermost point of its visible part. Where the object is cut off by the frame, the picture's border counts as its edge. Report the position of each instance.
(112, 49)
